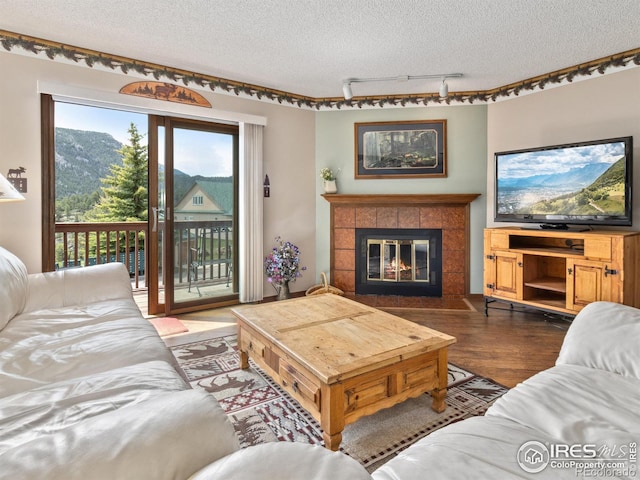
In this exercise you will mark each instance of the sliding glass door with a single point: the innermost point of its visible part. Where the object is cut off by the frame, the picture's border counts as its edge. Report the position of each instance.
(176, 229)
(193, 214)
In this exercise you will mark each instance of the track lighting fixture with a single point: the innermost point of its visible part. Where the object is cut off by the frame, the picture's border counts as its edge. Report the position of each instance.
(444, 88)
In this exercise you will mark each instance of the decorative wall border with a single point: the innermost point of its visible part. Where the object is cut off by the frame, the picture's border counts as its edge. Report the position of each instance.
(92, 58)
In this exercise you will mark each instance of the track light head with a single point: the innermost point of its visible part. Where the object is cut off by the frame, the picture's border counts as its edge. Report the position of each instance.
(444, 89)
(346, 90)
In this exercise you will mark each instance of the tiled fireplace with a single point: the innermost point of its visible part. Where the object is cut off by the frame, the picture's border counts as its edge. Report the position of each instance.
(397, 227)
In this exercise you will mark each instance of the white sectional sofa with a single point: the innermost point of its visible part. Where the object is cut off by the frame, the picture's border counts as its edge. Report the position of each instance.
(580, 418)
(88, 390)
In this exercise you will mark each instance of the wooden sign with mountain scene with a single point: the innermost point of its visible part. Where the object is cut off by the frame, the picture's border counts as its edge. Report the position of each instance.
(165, 91)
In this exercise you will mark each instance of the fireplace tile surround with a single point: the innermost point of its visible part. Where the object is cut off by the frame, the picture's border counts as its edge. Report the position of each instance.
(449, 212)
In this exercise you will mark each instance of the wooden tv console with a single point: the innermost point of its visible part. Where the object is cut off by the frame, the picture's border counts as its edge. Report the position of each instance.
(561, 271)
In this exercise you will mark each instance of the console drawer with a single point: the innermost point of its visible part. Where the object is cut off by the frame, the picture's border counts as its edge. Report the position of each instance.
(598, 247)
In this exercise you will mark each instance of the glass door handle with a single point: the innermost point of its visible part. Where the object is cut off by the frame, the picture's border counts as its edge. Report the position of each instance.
(154, 227)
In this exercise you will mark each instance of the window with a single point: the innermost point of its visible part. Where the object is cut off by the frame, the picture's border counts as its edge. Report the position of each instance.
(197, 200)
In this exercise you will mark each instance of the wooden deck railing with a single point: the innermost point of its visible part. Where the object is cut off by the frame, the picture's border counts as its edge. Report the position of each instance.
(203, 249)
(81, 244)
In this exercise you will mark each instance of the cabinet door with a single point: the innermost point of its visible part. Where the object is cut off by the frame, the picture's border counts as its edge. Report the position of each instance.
(590, 281)
(507, 275)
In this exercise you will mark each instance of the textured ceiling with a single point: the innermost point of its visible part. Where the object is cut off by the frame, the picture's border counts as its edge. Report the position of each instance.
(308, 47)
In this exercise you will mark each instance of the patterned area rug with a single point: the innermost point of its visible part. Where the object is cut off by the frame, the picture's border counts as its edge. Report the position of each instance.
(263, 412)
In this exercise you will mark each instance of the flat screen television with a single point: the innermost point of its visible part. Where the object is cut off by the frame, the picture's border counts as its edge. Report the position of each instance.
(584, 183)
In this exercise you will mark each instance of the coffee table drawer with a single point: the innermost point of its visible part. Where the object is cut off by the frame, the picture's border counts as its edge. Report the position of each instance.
(365, 393)
(419, 376)
(249, 343)
(298, 384)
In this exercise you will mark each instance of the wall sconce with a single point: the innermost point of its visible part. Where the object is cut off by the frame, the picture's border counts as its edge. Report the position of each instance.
(265, 186)
(8, 192)
(14, 176)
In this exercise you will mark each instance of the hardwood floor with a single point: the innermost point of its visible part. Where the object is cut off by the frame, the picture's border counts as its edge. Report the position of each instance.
(507, 346)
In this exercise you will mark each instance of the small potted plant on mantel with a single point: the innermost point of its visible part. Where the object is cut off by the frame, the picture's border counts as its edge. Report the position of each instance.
(329, 179)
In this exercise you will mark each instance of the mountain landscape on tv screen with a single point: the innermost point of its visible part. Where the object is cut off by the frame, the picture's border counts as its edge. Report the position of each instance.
(595, 189)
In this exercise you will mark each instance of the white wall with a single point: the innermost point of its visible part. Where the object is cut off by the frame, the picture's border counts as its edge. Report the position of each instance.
(289, 149)
(466, 167)
(594, 109)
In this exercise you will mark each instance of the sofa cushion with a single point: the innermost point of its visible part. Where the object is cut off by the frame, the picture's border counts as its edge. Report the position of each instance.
(475, 448)
(14, 282)
(604, 336)
(28, 415)
(167, 437)
(284, 461)
(575, 405)
(78, 286)
(46, 346)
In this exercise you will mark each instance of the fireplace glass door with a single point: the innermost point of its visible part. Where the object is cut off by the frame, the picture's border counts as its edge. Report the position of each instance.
(398, 260)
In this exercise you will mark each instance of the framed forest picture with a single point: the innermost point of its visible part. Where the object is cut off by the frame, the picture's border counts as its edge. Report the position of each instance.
(410, 149)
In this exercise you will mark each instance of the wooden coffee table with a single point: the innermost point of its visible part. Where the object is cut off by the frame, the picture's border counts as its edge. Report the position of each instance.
(341, 359)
